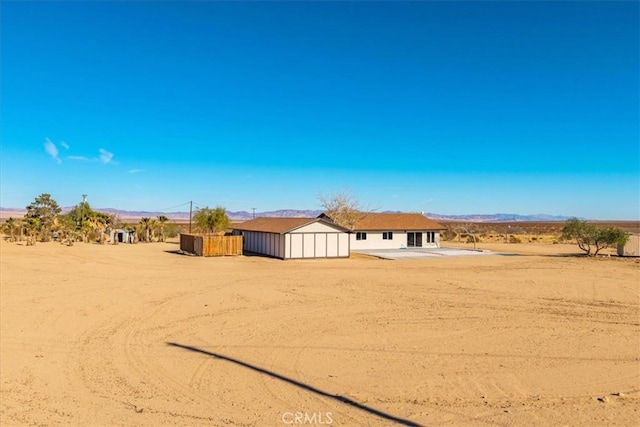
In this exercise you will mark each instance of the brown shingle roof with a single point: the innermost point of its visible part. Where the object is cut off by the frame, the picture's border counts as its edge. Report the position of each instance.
(280, 225)
(396, 222)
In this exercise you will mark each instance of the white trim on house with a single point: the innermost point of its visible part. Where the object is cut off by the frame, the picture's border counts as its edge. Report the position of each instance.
(394, 231)
(316, 238)
(399, 240)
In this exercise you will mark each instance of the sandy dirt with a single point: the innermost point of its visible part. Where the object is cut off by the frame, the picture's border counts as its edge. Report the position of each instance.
(140, 335)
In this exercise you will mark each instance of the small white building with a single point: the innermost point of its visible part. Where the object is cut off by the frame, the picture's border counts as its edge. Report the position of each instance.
(120, 235)
(394, 231)
(290, 238)
(632, 248)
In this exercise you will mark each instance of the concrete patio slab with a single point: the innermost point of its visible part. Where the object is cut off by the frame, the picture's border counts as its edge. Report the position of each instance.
(412, 253)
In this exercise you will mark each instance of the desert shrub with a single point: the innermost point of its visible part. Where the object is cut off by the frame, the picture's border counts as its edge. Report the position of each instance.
(448, 235)
(171, 230)
(534, 238)
(514, 239)
(470, 239)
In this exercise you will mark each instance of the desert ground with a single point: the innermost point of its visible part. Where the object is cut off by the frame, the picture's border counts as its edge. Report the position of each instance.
(140, 335)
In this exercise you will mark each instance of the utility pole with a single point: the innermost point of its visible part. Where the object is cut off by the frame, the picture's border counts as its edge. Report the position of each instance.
(190, 211)
(84, 201)
(254, 213)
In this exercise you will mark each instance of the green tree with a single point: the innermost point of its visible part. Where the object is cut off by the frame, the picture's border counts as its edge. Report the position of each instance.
(32, 227)
(153, 225)
(11, 228)
(145, 229)
(91, 224)
(99, 222)
(67, 228)
(161, 220)
(591, 238)
(45, 210)
(211, 220)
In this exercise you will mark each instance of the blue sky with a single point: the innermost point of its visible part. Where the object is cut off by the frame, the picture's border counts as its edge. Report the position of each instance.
(446, 107)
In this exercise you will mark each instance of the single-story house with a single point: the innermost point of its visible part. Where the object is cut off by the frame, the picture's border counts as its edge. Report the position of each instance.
(394, 231)
(289, 238)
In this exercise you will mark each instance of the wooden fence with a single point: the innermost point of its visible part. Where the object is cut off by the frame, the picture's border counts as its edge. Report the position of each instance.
(210, 245)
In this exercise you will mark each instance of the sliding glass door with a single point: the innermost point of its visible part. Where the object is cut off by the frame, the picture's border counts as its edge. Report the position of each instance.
(414, 239)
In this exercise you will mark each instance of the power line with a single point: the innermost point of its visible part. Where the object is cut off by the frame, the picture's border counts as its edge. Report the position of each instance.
(172, 207)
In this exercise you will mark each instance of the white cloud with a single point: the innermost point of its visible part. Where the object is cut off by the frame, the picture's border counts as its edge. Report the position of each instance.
(105, 156)
(50, 147)
(52, 150)
(79, 158)
(136, 170)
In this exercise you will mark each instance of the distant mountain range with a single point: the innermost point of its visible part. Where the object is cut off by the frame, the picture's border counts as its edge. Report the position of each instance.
(289, 213)
(498, 217)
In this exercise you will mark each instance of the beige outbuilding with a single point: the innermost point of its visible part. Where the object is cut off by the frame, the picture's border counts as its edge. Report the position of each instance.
(632, 248)
(291, 238)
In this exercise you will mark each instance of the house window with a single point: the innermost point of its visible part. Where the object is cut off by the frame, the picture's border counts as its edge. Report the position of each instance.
(361, 235)
(387, 235)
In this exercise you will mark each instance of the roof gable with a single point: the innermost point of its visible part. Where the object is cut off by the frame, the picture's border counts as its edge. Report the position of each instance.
(282, 225)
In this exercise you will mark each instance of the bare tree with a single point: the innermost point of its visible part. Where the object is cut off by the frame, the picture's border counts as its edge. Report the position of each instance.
(342, 208)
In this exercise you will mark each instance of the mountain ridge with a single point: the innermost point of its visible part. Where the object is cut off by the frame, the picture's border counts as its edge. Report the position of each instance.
(308, 213)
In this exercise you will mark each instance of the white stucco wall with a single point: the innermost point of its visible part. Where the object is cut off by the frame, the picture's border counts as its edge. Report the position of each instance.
(375, 241)
(311, 241)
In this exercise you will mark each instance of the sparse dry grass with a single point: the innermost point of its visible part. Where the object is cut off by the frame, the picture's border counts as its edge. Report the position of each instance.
(532, 339)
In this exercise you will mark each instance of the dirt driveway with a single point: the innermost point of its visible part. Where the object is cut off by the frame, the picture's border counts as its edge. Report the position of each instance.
(138, 335)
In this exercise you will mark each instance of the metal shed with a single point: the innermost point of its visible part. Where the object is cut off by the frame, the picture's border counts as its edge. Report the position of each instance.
(291, 238)
(120, 235)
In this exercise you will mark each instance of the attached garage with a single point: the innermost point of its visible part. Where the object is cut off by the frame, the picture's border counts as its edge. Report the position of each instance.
(294, 238)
